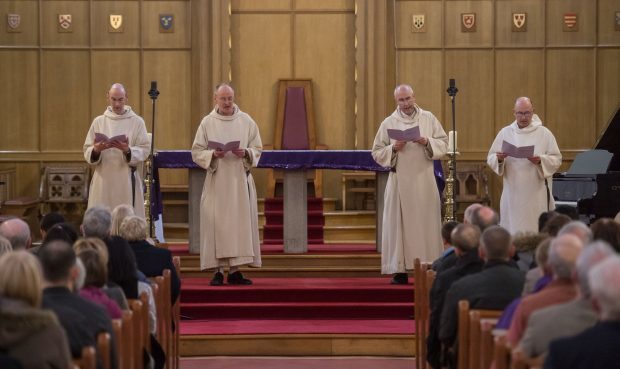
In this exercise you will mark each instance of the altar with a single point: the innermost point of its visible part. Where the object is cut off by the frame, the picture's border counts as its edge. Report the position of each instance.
(295, 163)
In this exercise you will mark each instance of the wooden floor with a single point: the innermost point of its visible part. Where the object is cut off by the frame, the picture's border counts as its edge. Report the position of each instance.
(226, 362)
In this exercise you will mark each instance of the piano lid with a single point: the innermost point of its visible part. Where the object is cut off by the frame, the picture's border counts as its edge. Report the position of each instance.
(610, 140)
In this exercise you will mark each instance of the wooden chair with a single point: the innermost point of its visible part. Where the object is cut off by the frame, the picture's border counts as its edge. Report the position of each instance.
(167, 316)
(464, 334)
(295, 129)
(127, 333)
(104, 350)
(424, 278)
(176, 319)
(501, 353)
(88, 359)
(139, 329)
(486, 343)
(117, 326)
(475, 334)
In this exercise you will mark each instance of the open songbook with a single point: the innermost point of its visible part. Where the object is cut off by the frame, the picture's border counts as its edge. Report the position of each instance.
(410, 134)
(100, 137)
(214, 145)
(522, 152)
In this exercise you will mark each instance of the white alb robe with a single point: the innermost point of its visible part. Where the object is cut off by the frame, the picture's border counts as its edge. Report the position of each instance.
(111, 184)
(412, 206)
(228, 206)
(524, 194)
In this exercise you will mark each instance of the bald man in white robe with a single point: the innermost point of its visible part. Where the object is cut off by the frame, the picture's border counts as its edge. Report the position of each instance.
(526, 181)
(115, 179)
(412, 210)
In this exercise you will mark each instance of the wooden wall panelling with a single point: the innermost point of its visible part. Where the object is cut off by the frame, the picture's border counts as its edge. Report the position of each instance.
(65, 108)
(263, 5)
(534, 35)
(473, 71)
(433, 23)
(571, 97)
(607, 34)
(608, 86)
(324, 5)
(152, 38)
(202, 61)
(324, 51)
(19, 100)
(101, 37)
(261, 55)
(518, 72)
(423, 71)
(483, 37)
(108, 67)
(586, 22)
(29, 23)
(79, 10)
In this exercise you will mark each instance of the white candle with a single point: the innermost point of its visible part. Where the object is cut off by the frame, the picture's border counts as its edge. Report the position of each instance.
(452, 143)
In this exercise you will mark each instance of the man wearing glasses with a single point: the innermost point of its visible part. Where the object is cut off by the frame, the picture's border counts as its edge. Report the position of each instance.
(525, 154)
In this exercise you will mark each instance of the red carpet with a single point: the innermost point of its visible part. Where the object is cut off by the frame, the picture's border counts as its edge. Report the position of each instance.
(345, 248)
(273, 231)
(297, 305)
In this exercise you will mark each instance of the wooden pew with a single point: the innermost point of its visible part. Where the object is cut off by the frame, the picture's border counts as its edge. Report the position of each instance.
(465, 342)
(476, 319)
(501, 352)
(117, 326)
(127, 359)
(88, 359)
(167, 315)
(176, 320)
(421, 308)
(104, 350)
(486, 343)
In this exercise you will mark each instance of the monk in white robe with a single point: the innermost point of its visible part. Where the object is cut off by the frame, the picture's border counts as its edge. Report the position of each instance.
(526, 181)
(115, 161)
(412, 210)
(228, 207)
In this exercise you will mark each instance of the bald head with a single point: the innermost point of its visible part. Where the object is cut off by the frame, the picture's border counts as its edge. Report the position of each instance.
(224, 98)
(17, 232)
(523, 110)
(465, 237)
(403, 89)
(484, 217)
(117, 98)
(563, 254)
(469, 212)
(405, 98)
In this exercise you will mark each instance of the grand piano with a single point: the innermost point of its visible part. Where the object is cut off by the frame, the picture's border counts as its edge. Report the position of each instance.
(592, 183)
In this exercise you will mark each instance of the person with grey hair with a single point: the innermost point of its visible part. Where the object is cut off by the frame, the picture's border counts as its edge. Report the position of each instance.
(151, 260)
(17, 232)
(468, 214)
(576, 315)
(412, 205)
(499, 282)
(563, 254)
(97, 222)
(596, 347)
(116, 143)
(526, 181)
(484, 217)
(579, 229)
(465, 238)
(5, 245)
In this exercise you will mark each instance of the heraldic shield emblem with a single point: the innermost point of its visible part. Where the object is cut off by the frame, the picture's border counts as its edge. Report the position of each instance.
(418, 23)
(468, 22)
(13, 21)
(519, 22)
(570, 22)
(166, 23)
(116, 23)
(64, 23)
(617, 21)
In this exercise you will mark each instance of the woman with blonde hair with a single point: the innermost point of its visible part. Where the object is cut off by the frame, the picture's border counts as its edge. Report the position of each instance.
(28, 333)
(118, 215)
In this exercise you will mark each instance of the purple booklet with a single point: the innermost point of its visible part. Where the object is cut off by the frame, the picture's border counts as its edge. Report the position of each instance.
(100, 137)
(522, 152)
(214, 145)
(410, 134)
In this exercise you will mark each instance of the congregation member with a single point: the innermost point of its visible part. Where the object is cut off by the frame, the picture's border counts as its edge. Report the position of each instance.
(607, 230)
(526, 181)
(412, 207)
(596, 347)
(48, 221)
(576, 315)
(17, 232)
(448, 257)
(5, 245)
(228, 208)
(493, 288)
(116, 143)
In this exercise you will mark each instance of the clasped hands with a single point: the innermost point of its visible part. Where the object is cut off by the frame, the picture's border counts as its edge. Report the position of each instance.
(398, 145)
(218, 153)
(98, 147)
(502, 155)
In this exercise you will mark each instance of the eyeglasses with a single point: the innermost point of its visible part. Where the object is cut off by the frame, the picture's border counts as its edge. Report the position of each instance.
(523, 113)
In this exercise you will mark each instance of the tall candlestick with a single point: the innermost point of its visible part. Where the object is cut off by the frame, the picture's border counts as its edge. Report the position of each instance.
(452, 143)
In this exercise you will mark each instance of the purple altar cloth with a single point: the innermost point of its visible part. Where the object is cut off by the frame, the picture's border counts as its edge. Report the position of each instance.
(283, 159)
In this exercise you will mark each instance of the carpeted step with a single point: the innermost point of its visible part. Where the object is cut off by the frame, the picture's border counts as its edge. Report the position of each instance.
(277, 203)
(298, 310)
(273, 232)
(276, 217)
(298, 326)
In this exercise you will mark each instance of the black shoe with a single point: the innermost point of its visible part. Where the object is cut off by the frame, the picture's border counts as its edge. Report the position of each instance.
(237, 278)
(400, 278)
(218, 279)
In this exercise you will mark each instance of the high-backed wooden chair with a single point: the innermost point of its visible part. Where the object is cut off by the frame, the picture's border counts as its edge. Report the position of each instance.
(88, 359)
(117, 326)
(476, 318)
(104, 350)
(295, 128)
(128, 350)
(176, 319)
(141, 340)
(501, 353)
(486, 343)
(465, 333)
(167, 316)
(423, 279)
